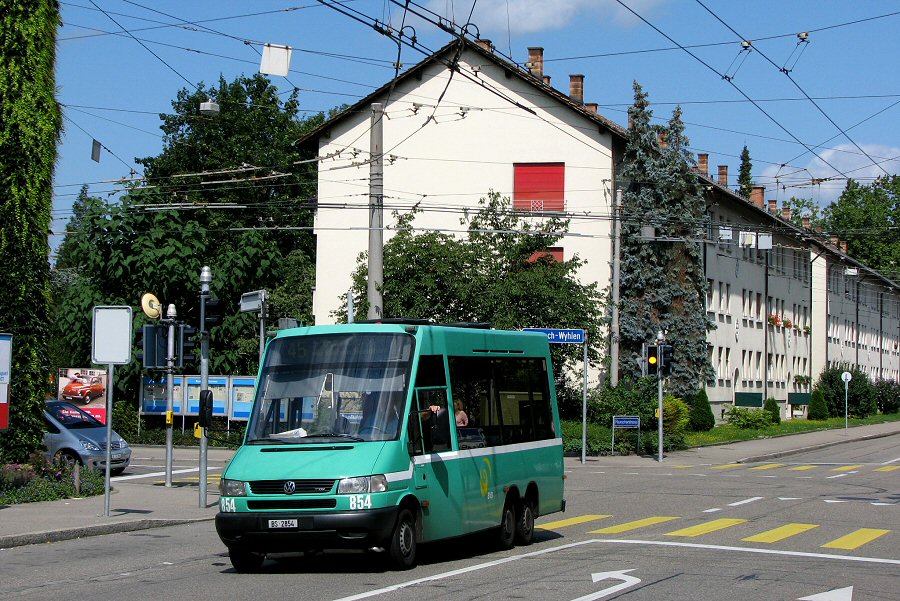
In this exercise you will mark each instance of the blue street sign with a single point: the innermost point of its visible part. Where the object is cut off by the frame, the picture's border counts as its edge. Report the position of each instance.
(558, 336)
(626, 421)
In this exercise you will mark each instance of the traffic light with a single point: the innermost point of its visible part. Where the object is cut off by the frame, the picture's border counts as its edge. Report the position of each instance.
(666, 361)
(210, 312)
(206, 408)
(153, 342)
(186, 343)
(652, 360)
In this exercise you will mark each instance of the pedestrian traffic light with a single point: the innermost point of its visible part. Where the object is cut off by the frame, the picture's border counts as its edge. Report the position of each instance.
(153, 343)
(186, 343)
(206, 408)
(652, 360)
(666, 360)
(211, 312)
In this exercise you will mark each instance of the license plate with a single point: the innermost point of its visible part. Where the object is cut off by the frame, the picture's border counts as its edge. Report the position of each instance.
(117, 456)
(282, 523)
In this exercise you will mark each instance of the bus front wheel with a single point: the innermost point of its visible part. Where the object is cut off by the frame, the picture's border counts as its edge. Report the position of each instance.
(507, 526)
(403, 542)
(245, 561)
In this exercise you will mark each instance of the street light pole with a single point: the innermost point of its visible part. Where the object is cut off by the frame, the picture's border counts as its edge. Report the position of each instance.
(205, 279)
(170, 391)
(660, 339)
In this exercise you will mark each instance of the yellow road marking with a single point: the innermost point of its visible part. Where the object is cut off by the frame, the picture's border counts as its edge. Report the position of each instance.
(627, 526)
(889, 468)
(846, 468)
(855, 539)
(707, 527)
(781, 533)
(726, 466)
(768, 466)
(802, 468)
(682, 467)
(572, 521)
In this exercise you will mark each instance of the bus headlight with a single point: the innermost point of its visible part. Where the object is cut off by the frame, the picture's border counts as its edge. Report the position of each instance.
(362, 485)
(232, 488)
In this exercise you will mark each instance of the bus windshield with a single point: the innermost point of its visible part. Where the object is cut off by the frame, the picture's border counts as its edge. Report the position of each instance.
(326, 387)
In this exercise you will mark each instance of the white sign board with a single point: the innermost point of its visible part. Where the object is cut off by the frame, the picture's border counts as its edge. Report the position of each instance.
(111, 339)
(5, 357)
(846, 377)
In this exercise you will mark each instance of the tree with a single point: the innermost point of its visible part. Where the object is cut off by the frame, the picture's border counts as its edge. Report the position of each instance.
(818, 408)
(860, 397)
(774, 409)
(804, 207)
(498, 273)
(745, 175)
(663, 286)
(232, 192)
(29, 131)
(702, 418)
(868, 218)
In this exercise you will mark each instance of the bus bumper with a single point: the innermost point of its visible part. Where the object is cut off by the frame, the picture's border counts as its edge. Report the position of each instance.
(340, 530)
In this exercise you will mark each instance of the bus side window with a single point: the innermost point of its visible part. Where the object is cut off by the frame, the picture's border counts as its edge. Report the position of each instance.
(431, 402)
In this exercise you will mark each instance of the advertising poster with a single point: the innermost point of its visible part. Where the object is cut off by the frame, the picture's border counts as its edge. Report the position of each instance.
(241, 397)
(219, 387)
(153, 396)
(84, 388)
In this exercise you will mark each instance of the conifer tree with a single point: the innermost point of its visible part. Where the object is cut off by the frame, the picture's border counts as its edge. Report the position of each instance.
(745, 175)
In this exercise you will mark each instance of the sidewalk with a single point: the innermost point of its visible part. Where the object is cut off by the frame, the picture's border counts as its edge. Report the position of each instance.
(141, 506)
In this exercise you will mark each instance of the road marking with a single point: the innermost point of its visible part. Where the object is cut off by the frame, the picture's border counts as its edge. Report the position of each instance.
(726, 466)
(627, 526)
(671, 543)
(780, 533)
(790, 498)
(834, 501)
(836, 476)
(701, 475)
(706, 528)
(158, 474)
(582, 519)
(889, 468)
(846, 468)
(803, 468)
(682, 467)
(744, 502)
(891, 461)
(855, 539)
(712, 510)
(768, 466)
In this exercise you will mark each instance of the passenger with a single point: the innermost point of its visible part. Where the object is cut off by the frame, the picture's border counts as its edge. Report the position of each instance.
(462, 420)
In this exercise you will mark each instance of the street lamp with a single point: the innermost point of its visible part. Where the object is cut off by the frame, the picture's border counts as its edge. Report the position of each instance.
(205, 279)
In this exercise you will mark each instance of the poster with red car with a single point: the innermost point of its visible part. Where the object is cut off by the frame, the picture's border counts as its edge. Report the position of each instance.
(84, 388)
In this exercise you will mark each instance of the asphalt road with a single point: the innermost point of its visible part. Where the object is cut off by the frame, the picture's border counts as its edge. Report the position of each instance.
(788, 529)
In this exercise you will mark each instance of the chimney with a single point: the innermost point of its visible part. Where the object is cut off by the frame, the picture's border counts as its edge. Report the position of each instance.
(723, 175)
(486, 45)
(773, 206)
(591, 107)
(786, 213)
(546, 80)
(576, 88)
(536, 61)
(758, 196)
(703, 164)
(843, 245)
(835, 240)
(806, 222)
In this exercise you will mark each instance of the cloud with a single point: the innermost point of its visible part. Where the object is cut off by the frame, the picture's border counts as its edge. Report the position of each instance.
(529, 16)
(846, 158)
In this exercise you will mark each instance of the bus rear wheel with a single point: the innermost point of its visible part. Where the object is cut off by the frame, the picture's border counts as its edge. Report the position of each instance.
(507, 526)
(402, 551)
(524, 522)
(245, 561)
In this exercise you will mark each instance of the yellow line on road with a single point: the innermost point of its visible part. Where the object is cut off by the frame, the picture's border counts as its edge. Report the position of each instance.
(889, 468)
(781, 533)
(846, 468)
(855, 539)
(582, 519)
(627, 526)
(768, 466)
(802, 468)
(707, 527)
(726, 466)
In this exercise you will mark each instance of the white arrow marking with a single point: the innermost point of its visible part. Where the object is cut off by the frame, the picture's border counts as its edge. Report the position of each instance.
(627, 581)
(838, 594)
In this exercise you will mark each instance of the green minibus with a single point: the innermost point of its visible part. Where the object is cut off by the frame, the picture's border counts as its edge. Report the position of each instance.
(381, 436)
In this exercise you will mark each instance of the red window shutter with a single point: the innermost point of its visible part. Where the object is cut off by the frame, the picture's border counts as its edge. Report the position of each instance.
(554, 253)
(539, 187)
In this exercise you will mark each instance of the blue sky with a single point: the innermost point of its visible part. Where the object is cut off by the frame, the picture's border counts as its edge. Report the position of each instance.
(113, 87)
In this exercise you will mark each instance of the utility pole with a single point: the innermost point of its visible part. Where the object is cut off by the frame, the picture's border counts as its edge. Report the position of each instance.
(205, 279)
(660, 340)
(616, 270)
(376, 213)
(170, 391)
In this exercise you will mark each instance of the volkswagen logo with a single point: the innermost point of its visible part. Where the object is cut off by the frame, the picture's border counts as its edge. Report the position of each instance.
(290, 487)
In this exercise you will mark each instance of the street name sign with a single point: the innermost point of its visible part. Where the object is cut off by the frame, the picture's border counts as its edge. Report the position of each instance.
(560, 336)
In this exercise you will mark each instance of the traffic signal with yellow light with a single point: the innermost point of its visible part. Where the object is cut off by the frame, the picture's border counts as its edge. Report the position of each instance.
(652, 361)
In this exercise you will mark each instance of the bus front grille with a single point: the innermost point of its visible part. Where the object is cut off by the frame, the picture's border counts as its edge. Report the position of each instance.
(292, 504)
(277, 487)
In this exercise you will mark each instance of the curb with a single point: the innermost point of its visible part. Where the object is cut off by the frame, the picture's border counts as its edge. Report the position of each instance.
(52, 536)
(814, 447)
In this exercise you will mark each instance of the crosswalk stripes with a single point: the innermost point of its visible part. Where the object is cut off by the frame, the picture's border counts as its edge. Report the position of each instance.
(802, 468)
(847, 542)
(846, 468)
(841, 469)
(888, 468)
(768, 466)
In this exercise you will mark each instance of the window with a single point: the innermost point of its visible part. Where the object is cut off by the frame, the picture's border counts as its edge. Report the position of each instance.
(539, 187)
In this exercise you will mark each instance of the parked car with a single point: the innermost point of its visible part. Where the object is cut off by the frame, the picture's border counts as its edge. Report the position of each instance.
(77, 436)
(83, 390)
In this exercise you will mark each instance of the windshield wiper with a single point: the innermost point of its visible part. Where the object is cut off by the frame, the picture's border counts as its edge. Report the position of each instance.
(266, 441)
(336, 435)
